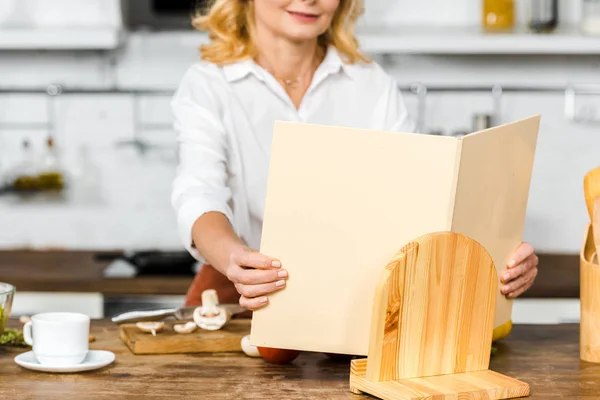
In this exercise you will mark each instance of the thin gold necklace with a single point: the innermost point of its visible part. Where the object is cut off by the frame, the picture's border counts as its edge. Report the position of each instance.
(288, 82)
(296, 81)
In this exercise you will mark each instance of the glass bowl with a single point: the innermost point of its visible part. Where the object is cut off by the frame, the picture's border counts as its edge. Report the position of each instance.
(7, 292)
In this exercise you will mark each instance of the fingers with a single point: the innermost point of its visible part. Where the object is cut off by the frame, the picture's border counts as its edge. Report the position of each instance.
(253, 268)
(254, 259)
(514, 273)
(521, 284)
(510, 274)
(523, 288)
(237, 274)
(254, 303)
(524, 251)
(251, 291)
(255, 276)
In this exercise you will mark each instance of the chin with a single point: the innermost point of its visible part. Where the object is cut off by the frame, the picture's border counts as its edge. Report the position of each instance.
(303, 34)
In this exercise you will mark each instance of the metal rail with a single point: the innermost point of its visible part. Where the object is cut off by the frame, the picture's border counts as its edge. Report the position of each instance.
(418, 89)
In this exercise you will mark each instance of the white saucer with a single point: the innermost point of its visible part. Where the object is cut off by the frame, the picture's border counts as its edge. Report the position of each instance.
(95, 359)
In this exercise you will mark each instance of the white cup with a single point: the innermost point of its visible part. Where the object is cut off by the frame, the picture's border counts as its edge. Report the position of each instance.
(58, 338)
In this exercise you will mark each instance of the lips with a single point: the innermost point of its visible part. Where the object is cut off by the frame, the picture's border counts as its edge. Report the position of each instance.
(303, 17)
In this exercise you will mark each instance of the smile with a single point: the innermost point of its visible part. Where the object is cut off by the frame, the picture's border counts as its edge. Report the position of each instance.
(303, 17)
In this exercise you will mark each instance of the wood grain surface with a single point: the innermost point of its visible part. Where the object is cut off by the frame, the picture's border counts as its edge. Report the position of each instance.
(590, 302)
(478, 385)
(546, 357)
(167, 341)
(431, 330)
(433, 311)
(596, 223)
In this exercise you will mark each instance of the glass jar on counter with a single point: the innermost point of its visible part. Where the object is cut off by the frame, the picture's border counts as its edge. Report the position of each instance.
(590, 21)
(498, 14)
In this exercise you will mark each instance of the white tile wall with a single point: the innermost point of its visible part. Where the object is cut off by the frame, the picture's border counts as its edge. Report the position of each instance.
(566, 150)
(120, 198)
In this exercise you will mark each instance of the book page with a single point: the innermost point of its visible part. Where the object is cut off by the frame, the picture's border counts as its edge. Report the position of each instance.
(340, 203)
(492, 192)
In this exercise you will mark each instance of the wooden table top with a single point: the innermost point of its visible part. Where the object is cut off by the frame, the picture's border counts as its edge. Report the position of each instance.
(77, 271)
(546, 357)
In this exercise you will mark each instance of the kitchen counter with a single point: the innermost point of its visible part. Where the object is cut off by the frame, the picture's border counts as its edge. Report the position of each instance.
(77, 271)
(546, 357)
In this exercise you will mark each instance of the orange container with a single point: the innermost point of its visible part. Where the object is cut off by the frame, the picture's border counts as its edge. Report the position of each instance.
(498, 14)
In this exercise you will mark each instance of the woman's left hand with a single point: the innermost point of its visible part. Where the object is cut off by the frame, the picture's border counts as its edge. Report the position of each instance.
(520, 273)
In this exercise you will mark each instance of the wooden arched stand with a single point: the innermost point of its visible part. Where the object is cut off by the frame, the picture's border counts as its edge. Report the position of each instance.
(432, 324)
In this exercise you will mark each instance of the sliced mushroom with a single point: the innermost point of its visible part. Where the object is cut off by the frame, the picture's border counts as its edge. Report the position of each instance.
(248, 349)
(188, 327)
(24, 319)
(210, 316)
(152, 327)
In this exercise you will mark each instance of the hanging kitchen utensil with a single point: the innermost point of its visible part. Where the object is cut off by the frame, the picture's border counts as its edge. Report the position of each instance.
(544, 15)
(497, 99)
(481, 121)
(420, 90)
(591, 186)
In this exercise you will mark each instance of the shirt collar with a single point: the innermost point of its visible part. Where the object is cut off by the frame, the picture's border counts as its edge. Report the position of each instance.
(331, 64)
(239, 70)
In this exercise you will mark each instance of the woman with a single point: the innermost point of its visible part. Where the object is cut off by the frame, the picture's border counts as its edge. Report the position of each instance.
(269, 60)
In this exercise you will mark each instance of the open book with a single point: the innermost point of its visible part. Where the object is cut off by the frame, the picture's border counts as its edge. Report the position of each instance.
(341, 202)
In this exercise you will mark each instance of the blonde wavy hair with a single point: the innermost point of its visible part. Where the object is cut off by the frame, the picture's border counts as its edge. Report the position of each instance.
(231, 26)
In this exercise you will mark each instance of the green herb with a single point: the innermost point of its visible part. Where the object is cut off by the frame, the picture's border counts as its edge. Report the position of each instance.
(12, 337)
(494, 350)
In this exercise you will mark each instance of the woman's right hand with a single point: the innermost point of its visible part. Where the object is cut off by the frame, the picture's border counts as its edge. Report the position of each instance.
(255, 276)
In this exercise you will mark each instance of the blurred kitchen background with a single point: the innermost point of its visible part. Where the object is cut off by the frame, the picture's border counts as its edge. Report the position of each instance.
(88, 153)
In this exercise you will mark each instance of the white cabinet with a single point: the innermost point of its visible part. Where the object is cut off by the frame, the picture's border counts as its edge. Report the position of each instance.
(60, 24)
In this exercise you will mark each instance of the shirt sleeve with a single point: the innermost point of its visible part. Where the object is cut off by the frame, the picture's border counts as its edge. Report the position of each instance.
(200, 184)
(397, 116)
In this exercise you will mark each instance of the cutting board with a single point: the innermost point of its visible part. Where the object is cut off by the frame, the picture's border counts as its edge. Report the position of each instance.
(167, 341)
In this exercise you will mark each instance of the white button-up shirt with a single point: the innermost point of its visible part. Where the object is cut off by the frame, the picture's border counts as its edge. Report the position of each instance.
(224, 118)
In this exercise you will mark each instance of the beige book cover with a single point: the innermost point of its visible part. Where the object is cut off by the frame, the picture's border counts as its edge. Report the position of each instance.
(341, 202)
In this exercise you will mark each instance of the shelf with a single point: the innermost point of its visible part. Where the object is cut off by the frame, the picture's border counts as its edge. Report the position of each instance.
(373, 40)
(60, 39)
(473, 41)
